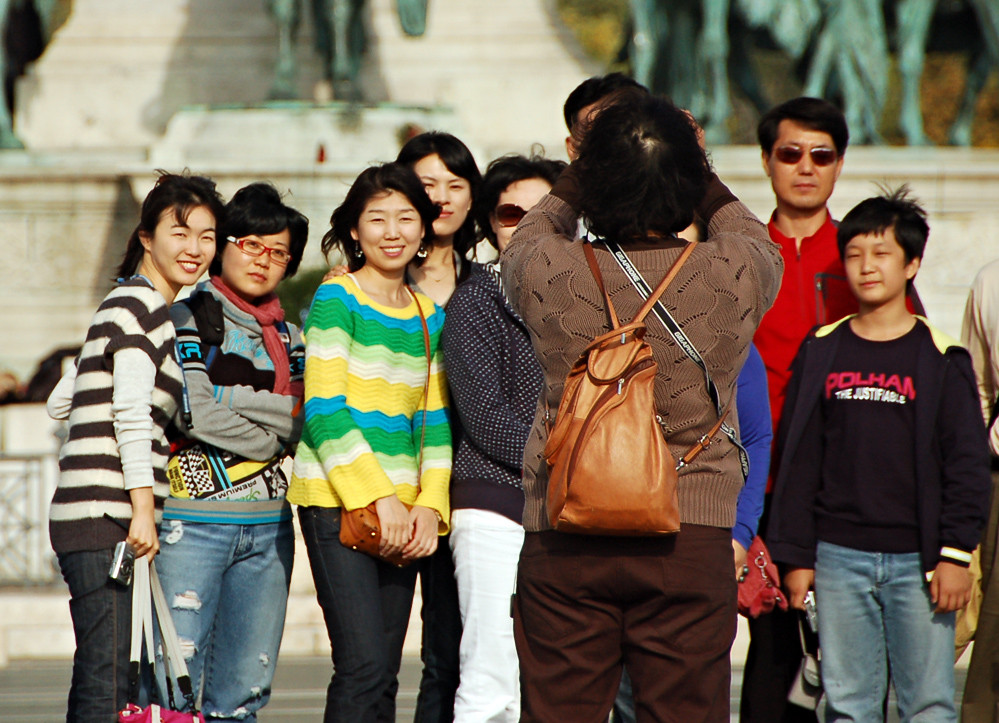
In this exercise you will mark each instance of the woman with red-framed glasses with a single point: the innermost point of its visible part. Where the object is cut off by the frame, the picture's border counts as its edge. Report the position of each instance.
(227, 541)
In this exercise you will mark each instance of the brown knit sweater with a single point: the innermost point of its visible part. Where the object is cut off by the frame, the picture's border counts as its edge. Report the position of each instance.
(718, 298)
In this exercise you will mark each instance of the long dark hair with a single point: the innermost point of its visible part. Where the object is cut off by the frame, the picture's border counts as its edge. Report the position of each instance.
(181, 193)
(372, 182)
(457, 159)
(258, 210)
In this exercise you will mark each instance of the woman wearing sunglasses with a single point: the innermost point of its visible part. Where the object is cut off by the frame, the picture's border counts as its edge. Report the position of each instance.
(226, 540)
(495, 382)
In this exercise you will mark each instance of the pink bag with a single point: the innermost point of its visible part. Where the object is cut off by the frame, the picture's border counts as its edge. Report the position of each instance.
(146, 590)
(759, 587)
(156, 714)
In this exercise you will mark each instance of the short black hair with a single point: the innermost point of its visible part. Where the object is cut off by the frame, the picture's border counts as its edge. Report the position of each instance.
(593, 89)
(375, 181)
(457, 159)
(257, 210)
(896, 210)
(504, 171)
(641, 169)
(813, 113)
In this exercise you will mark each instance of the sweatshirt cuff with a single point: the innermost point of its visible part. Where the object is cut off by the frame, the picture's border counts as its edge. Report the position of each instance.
(136, 463)
(955, 556)
(716, 196)
(567, 188)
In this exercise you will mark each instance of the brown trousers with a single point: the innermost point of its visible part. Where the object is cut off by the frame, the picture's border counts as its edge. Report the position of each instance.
(981, 690)
(665, 607)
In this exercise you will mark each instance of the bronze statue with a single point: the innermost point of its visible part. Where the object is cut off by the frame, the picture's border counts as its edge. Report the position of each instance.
(980, 37)
(682, 48)
(852, 47)
(340, 41)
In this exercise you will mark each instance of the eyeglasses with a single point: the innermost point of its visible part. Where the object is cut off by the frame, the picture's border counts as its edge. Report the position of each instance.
(509, 214)
(821, 156)
(252, 247)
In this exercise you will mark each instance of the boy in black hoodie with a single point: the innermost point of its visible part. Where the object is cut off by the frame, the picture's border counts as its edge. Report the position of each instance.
(883, 482)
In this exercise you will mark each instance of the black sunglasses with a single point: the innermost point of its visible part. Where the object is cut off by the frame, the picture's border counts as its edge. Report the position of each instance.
(792, 154)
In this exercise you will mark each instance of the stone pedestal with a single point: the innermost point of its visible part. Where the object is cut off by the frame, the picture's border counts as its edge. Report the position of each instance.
(118, 70)
(263, 138)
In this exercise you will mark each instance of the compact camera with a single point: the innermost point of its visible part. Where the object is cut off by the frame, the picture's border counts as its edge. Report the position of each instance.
(122, 563)
(810, 612)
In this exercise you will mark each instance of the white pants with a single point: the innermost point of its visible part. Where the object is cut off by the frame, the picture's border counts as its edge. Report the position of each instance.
(486, 548)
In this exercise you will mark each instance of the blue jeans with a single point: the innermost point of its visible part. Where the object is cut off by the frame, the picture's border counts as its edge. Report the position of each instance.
(875, 614)
(102, 617)
(366, 605)
(227, 588)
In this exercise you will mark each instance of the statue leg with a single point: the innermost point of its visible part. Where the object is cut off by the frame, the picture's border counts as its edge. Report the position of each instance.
(978, 72)
(287, 14)
(679, 73)
(913, 20)
(821, 66)
(412, 17)
(741, 70)
(346, 54)
(714, 52)
(7, 137)
(644, 40)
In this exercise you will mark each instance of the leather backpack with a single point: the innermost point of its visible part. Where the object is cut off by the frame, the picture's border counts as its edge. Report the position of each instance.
(610, 470)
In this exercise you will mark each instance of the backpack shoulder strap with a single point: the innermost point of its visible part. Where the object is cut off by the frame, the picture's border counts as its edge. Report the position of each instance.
(591, 259)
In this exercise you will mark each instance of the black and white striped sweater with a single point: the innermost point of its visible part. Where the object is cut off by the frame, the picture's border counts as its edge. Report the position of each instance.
(133, 315)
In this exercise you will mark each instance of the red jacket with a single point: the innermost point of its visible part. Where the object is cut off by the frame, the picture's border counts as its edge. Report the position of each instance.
(813, 292)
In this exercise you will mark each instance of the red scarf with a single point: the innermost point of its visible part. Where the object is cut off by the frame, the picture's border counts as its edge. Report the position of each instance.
(267, 311)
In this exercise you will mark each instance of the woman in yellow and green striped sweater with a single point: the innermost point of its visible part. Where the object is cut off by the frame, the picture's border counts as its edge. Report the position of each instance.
(365, 389)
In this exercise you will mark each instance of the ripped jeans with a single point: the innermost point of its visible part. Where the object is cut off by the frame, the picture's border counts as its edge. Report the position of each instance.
(227, 587)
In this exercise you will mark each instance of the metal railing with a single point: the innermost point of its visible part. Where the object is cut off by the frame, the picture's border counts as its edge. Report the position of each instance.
(26, 486)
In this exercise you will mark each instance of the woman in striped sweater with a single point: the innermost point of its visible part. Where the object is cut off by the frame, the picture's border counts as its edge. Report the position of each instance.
(368, 408)
(112, 467)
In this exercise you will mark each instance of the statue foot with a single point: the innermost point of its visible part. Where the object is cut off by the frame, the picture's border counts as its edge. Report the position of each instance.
(282, 91)
(716, 134)
(347, 90)
(922, 141)
(959, 135)
(10, 142)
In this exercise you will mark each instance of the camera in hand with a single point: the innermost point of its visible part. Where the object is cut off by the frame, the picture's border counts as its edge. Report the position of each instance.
(122, 563)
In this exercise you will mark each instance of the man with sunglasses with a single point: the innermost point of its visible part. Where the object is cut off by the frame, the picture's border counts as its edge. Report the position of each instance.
(803, 142)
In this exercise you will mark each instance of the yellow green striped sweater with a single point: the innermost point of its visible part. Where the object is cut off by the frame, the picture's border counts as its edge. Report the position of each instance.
(365, 369)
